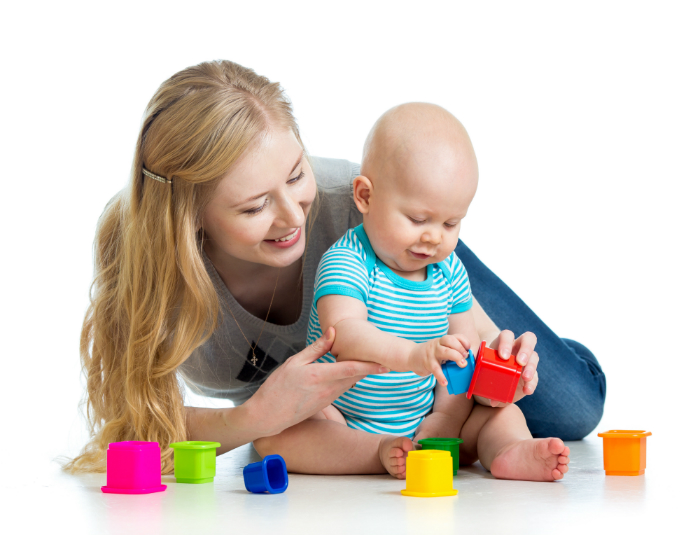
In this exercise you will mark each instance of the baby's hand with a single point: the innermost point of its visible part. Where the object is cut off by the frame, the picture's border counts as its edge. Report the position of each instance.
(427, 357)
(524, 350)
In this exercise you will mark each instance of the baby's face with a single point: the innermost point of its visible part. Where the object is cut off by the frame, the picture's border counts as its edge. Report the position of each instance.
(416, 207)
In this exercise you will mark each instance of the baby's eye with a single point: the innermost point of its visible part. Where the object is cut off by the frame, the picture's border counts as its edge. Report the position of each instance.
(450, 225)
(416, 221)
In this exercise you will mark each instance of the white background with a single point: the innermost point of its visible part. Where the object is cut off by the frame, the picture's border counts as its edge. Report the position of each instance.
(584, 116)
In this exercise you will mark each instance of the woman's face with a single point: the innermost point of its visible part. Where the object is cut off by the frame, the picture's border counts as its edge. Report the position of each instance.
(259, 208)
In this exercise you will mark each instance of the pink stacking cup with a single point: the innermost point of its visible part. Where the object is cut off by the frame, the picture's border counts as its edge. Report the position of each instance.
(133, 467)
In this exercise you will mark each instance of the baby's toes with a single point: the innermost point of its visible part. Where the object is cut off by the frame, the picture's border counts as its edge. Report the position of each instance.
(542, 450)
(556, 446)
(559, 471)
(396, 452)
(406, 444)
(398, 462)
(397, 468)
(563, 460)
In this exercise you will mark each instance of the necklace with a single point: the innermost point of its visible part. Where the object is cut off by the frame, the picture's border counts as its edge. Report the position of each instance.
(254, 359)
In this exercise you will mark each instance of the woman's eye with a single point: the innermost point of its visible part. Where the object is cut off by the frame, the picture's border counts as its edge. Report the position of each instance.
(256, 210)
(296, 178)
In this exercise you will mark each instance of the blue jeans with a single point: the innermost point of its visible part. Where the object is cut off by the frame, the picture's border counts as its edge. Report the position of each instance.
(568, 402)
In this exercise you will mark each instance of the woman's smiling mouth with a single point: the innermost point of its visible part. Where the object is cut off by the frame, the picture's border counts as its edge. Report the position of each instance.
(286, 241)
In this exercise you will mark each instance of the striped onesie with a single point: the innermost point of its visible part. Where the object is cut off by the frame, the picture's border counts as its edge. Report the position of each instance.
(394, 403)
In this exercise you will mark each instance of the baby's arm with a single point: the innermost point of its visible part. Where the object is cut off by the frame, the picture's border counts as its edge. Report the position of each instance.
(450, 412)
(357, 339)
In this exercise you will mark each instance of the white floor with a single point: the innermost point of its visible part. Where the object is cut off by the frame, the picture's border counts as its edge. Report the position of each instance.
(585, 501)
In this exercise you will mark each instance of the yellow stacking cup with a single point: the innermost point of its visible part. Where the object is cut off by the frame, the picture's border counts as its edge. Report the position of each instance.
(429, 474)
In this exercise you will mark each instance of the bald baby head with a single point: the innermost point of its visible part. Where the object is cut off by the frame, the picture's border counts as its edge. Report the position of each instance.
(418, 178)
(415, 141)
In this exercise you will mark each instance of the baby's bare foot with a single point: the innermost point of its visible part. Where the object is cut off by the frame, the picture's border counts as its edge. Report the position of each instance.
(535, 459)
(392, 454)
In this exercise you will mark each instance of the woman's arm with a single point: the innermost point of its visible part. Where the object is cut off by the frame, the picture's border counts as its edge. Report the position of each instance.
(296, 390)
(232, 427)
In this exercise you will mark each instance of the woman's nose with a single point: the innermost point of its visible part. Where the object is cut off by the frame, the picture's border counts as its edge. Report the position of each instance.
(291, 213)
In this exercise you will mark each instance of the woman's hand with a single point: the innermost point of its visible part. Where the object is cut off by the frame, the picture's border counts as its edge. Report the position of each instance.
(300, 388)
(524, 350)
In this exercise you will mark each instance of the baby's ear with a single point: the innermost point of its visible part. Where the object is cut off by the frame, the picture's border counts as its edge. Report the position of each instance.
(362, 191)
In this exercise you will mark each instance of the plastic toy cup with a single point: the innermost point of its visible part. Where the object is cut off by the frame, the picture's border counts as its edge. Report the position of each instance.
(458, 379)
(444, 444)
(133, 467)
(625, 452)
(195, 462)
(268, 475)
(429, 474)
(494, 378)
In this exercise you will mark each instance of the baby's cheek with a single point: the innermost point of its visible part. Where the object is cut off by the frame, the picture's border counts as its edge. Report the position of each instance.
(451, 242)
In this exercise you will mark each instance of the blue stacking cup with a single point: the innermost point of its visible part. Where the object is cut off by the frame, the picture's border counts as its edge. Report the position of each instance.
(268, 475)
(459, 379)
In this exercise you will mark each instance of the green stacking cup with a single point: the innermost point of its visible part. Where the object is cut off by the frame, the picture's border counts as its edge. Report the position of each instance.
(445, 444)
(195, 461)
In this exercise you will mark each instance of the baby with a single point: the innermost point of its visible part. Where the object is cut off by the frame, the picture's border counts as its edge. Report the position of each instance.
(396, 294)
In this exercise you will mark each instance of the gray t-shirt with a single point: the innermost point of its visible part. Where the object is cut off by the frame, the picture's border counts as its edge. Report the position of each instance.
(224, 366)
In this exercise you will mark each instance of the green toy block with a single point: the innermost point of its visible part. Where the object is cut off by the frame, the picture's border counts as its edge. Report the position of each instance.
(445, 444)
(195, 462)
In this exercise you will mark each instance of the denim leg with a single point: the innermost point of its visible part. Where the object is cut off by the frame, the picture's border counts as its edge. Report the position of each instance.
(568, 402)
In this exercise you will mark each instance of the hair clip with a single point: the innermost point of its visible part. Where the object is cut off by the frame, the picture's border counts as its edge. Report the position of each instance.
(155, 177)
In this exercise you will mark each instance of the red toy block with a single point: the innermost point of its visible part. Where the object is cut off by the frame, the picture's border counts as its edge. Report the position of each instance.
(494, 378)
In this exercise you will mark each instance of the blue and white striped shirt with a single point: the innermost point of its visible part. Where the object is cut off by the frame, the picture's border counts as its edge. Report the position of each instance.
(393, 403)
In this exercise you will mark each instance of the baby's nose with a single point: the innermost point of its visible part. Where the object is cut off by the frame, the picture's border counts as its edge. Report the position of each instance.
(432, 236)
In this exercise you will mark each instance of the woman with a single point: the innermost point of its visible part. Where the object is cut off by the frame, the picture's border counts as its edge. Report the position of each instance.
(205, 266)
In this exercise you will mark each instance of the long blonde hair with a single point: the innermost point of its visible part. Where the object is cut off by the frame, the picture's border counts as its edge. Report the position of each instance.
(152, 302)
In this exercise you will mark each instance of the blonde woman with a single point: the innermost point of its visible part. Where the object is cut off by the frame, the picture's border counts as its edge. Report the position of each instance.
(204, 270)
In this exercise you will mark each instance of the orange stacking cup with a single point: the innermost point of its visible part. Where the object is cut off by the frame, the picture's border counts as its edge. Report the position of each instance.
(624, 452)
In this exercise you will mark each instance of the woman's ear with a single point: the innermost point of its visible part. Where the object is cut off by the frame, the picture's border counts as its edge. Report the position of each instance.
(362, 191)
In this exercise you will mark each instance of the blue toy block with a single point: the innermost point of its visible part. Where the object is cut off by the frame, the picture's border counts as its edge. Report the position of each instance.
(459, 379)
(268, 475)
